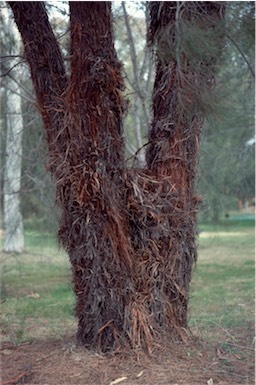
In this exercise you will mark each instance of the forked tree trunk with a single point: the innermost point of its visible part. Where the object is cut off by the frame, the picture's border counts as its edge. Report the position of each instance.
(130, 234)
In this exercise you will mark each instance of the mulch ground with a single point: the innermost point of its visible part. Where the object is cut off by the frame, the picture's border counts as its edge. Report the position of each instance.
(54, 362)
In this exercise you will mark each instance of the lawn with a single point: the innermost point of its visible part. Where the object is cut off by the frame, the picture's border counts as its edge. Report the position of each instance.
(37, 295)
(223, 282)
(38, 325)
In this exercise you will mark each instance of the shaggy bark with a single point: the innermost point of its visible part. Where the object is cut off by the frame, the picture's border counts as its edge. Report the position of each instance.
(94, 228)
(83, 121)
(48, 73)
(130, 234)
(182, 78)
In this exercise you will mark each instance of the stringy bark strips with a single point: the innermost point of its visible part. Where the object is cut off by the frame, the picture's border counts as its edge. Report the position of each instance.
(94, 224)
(130, 233)
(172, 154)
(47, 69)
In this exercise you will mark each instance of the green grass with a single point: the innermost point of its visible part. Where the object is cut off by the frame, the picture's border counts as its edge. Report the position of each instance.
(38, 302)
(36, 291)
(222, 290)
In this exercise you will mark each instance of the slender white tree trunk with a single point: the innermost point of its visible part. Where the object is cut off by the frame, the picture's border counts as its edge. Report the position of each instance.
(137, 125)
(137, 90)
(14, 241)
(14, 236)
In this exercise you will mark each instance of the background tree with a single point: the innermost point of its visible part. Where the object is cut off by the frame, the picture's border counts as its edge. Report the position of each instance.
(13, 222)
(140, 79)
(37, 202)
(227, 157)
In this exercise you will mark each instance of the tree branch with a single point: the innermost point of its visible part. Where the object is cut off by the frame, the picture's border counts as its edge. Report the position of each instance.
(45, 60)
(30, 100)
(132, 49)
(11, 57)
(242, 54)
(10, 69)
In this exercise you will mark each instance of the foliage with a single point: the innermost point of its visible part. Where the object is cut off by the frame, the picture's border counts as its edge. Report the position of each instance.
(227, 160)
(227, 155)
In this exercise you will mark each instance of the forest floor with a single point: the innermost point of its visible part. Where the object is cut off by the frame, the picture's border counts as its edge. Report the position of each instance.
(230, 360)
(37, 325)
(52, 362)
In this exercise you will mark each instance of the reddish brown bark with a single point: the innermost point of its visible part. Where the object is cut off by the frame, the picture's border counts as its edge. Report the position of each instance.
(130, 234)
(174, 138)
(83, 121)
(46, 64)
(94, 225)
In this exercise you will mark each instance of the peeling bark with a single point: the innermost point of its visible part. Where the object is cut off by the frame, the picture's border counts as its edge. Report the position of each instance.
(130, 233)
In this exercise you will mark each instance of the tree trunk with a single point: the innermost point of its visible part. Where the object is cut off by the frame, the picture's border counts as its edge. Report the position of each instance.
(83, 120)
(13, 222)
(138, 99)
(130, 234)
(180, 83)
(14, 236)
(94, 225)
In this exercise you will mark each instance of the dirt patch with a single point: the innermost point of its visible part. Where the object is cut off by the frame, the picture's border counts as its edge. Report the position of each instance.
(63, 362)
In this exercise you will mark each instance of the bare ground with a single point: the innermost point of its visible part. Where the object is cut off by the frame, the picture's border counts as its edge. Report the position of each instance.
(53, 362)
